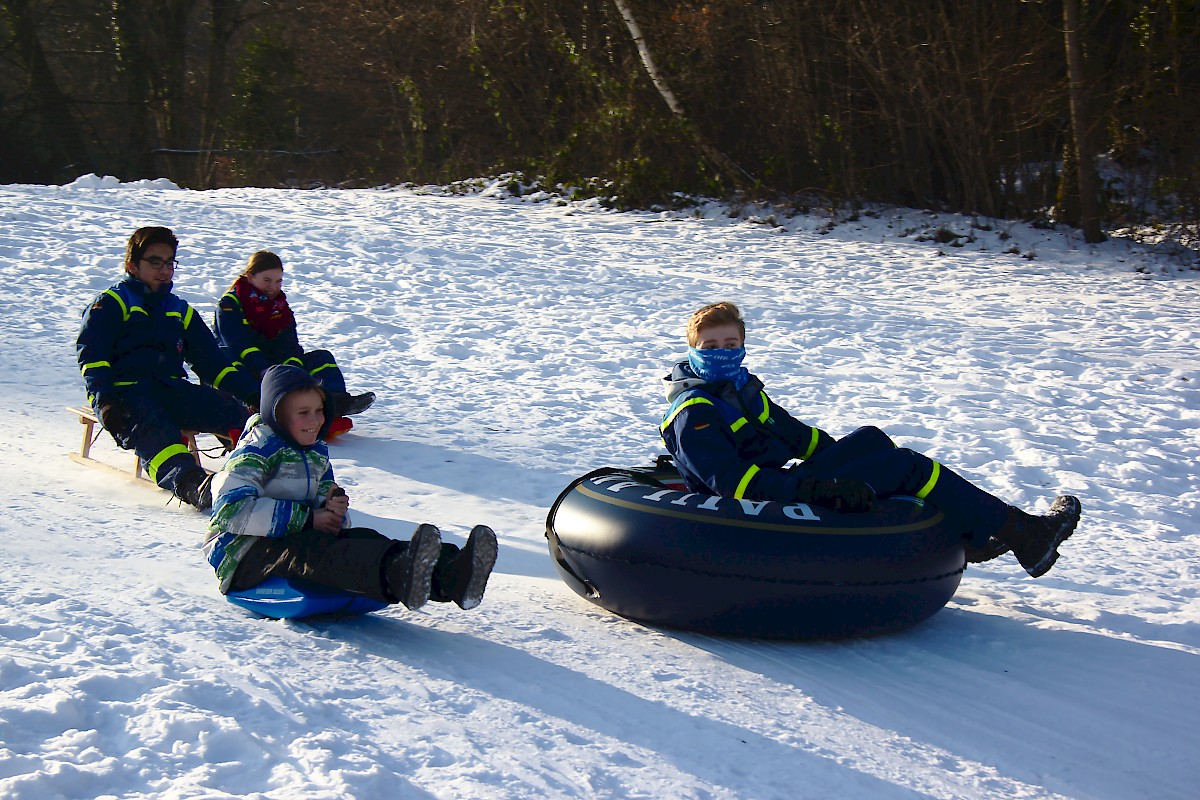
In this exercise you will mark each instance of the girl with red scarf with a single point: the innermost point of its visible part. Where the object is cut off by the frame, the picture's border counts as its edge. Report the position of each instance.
(256, 329)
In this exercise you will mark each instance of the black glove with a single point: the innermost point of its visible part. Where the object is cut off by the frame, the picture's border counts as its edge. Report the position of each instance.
(114, 416)
(840, 494)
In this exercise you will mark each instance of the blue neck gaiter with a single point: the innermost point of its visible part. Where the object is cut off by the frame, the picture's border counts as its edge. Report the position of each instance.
(719, 364)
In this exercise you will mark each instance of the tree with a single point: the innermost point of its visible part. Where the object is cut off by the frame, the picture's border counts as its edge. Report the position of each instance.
(1081, 127)
(55, 136)
(735, 174)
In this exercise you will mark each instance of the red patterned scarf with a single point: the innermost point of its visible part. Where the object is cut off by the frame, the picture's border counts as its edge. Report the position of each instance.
(265, 315)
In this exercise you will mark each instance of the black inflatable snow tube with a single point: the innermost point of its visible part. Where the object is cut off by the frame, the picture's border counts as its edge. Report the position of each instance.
(635, 542)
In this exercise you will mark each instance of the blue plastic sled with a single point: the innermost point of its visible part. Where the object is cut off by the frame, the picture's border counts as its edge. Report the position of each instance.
(287, 598)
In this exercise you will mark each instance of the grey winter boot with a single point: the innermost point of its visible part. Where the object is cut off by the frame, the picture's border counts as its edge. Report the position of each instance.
(462, 576)
(1035, 540)
(410, 573)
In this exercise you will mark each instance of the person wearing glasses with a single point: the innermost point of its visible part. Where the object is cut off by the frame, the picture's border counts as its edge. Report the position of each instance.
(132, 345)
(256, 329)
(728, 439)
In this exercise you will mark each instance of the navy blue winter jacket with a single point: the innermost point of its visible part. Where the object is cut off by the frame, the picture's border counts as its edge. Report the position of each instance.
(242, 343)
(734, 443)
(131, 335)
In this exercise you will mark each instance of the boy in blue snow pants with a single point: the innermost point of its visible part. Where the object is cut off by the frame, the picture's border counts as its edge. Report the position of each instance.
(729, 439)
(132, 345)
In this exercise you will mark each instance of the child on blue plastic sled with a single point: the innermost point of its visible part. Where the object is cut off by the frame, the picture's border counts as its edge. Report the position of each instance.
(278, 513)
(728, 439)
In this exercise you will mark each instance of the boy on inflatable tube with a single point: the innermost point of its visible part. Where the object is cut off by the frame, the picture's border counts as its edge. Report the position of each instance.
(728, 439)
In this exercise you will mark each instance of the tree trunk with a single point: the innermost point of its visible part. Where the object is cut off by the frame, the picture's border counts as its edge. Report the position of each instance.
(222, 24)
(133, 69)
(738, 176)
(1085, 158)
(62, 142)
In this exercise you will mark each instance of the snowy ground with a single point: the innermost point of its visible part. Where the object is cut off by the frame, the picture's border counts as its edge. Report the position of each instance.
(516, 345)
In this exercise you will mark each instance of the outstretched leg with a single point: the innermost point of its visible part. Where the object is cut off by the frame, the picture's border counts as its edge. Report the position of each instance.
(321, 365)
(358, 560)
(968, 509)
(990, 526)
(865, 441)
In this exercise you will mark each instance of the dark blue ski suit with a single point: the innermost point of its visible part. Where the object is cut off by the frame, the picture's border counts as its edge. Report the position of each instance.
(736, 443)
(254, 353)
(131, 349)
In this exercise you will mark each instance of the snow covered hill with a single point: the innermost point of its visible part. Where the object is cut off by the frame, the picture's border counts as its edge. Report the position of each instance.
(516, 345)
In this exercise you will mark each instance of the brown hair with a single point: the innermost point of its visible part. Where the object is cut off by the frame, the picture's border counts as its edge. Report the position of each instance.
(261, 261)
(723, 313)
(143, 238)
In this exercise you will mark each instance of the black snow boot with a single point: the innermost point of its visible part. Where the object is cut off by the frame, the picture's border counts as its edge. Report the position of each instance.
(1035, 540)
(994, 548)
(409, 573)
(346, 404)
(462, 575)
(195, 488)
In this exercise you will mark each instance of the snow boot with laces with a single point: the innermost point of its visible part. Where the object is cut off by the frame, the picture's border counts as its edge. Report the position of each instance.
(195, 488)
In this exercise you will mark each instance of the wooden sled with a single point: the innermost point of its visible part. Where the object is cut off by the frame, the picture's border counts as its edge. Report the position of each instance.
(91, 432)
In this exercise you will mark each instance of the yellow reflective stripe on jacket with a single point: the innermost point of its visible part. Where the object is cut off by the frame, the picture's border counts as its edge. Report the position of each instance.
(318, 369)
(812, 445)
(695, 400)
(740, 491)
(93, 365)
(249, 350)
(738, 424)
(221, 376)
(191, 312)
(766, 412)
(929, 484)
(163, 455)
(120, 302)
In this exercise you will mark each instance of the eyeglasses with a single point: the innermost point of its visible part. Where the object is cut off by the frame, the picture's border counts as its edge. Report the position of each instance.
(161, 263)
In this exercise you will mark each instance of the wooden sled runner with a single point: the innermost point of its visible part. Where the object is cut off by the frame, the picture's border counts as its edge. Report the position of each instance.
(91, 432)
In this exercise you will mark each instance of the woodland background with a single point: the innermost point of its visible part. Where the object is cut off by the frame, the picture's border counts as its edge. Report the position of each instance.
(973, 106)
